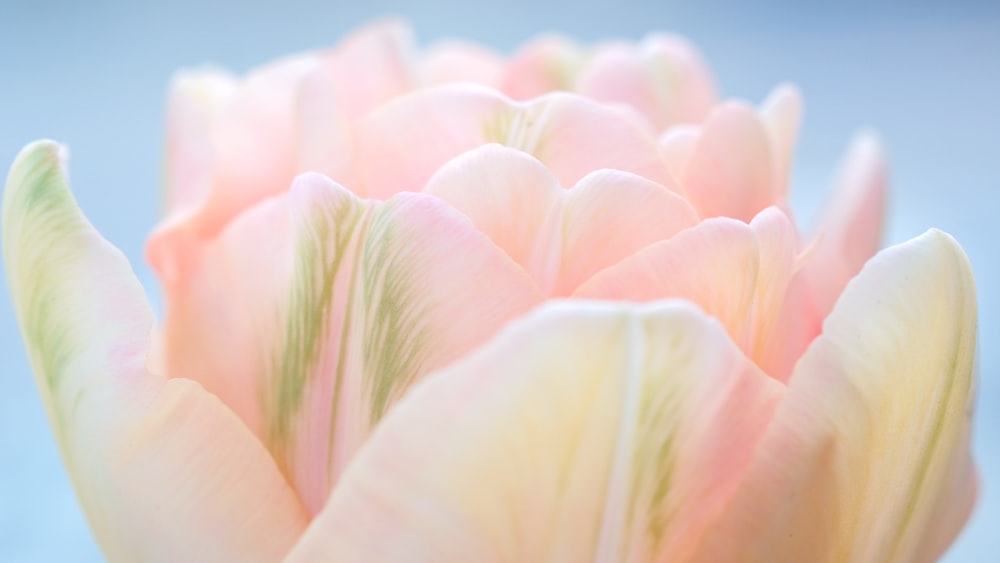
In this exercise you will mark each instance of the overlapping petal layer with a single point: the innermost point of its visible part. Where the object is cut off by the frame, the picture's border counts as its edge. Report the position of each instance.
(314, 312)
(736, 272)
(584, 432)
(352, 379)
(737, 162)
(560, 236)
(165, 472)
(868, 456)
(570, 134)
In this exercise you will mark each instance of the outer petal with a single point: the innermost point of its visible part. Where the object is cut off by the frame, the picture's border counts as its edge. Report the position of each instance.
(360, 300)
(586, 432)
(561, 237)
(571, 134)
(868, 456)
(164, 471)
(664, 78)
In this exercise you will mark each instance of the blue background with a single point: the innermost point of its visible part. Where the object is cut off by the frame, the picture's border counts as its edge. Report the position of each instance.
(92, 75)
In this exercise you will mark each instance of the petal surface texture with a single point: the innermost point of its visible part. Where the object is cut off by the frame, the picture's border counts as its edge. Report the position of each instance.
(164, 471)
(315, 311)
(584, 432)
(868, 456)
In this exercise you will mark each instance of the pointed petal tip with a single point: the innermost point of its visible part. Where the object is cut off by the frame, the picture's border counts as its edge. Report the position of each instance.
(42, 149)
(38, 158)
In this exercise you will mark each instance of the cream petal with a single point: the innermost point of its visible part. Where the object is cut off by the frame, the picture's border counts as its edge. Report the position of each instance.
(868, 456)
(163, 470)
(194, 99)
(561, 237)
(359, 301)
(586, 431)
(570, 134)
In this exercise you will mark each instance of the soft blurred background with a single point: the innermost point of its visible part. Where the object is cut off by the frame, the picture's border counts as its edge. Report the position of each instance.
(92, 73)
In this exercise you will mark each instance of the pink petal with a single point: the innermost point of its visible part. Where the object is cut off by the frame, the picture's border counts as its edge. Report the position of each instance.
(730, 172)
(546, 64)
(663, 78)
(561, 237)
(360, 300)
(460, 61)
(571, 135)
(850, 230)
(735, 272)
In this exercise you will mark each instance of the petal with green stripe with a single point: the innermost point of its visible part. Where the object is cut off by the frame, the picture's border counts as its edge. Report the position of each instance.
(314, 312)
(164, 470)
(583, 432)
(868, 456)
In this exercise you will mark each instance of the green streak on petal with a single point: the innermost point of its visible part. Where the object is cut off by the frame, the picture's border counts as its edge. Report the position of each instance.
(318, 263)
(961, 375)
(395, 333)
(342, 347)
(520, 128)
(497, 127)
(39, 216)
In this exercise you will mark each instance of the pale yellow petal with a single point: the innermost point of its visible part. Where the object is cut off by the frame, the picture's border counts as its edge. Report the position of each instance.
(868, 457)
(585, 432)
(164, 471)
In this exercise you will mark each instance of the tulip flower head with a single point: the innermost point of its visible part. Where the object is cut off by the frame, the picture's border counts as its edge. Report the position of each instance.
(450, 305)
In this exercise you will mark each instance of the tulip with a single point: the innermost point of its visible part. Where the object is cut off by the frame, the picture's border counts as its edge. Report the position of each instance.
(441, 313)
